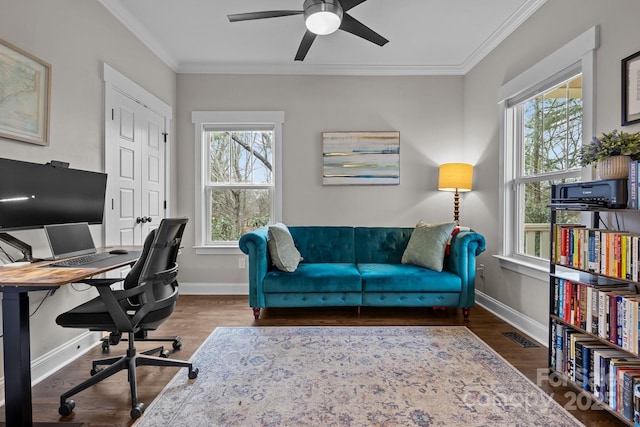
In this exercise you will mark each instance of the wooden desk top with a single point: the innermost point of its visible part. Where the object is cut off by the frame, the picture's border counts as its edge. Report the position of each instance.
(34, 276)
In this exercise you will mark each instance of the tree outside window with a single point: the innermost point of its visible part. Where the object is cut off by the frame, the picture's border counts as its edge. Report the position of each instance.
(240, 181)
(551, 140)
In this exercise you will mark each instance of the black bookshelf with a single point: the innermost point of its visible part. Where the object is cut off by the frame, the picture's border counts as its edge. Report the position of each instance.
(587, 282)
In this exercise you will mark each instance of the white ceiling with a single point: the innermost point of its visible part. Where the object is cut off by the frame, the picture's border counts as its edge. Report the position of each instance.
(426, 37)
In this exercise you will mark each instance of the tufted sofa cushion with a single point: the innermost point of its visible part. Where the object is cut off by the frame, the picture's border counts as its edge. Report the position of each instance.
(382, 245)
(318, 277)
(406, 278)
(319, 244)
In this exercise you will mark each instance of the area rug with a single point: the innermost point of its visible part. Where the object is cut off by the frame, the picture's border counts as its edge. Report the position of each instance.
(351, 376)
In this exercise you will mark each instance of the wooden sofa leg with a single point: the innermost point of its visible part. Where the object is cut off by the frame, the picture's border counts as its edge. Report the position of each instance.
(465, 312)
(256, 312)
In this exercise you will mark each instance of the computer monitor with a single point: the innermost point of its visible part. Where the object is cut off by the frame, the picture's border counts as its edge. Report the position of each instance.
(33, 195)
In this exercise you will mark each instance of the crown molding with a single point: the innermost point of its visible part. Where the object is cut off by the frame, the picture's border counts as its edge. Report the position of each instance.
(138, 30)
(508, 27)
(319, 69)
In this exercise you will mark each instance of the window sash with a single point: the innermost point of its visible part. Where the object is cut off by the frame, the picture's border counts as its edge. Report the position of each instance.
(206, 121)
(515, 123)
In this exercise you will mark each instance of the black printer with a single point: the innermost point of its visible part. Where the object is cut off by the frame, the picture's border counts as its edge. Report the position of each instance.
(607, 193)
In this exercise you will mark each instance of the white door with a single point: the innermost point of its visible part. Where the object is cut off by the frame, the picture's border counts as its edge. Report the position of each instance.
(134, 159)
(137, 125)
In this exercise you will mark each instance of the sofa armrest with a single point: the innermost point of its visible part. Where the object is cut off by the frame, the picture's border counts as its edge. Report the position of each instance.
(254, 244)
(465, 246)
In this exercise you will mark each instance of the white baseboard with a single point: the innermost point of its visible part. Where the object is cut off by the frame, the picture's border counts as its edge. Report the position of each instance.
(59, 357)
(214, 288)
(534, 329)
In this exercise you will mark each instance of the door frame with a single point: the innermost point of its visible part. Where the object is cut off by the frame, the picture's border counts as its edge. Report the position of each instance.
(114, 81)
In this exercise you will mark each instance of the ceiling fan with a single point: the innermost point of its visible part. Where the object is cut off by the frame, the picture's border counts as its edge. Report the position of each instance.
(321, 17)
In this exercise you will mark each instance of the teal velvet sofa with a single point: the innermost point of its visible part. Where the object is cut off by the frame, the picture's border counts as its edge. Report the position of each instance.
(360, 266)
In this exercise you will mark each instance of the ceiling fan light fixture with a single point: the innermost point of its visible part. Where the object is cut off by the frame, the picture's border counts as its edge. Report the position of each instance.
(322, 17)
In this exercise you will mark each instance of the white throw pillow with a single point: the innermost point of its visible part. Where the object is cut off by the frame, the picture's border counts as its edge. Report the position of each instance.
(284, 254)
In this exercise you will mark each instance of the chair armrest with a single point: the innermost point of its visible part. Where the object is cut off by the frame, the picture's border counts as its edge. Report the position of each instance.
(101, 282)
(116, 301)
(465, 246)
(254, 244)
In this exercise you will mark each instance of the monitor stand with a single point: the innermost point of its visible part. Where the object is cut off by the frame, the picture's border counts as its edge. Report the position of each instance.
(27, 255)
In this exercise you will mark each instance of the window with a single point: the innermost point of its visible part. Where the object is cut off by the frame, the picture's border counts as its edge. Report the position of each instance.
(547, 136)
(547, 116)
(237, 175)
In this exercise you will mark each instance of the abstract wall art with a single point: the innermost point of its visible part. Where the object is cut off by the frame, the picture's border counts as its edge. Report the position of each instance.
(361, 158)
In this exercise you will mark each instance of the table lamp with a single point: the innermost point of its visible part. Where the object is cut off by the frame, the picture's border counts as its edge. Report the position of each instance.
(455, 177)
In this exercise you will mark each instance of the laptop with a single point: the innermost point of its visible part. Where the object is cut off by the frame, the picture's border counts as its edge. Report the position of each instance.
(68, 240)
(74, 240)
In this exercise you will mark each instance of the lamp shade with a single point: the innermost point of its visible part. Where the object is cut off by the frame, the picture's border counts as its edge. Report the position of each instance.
(455, 177)
(322, 17)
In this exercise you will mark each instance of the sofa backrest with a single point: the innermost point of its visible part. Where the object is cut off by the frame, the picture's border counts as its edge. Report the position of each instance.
(324, 243)
(383, 245)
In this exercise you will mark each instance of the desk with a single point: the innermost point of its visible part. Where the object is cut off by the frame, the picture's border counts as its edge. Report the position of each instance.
(15, 285)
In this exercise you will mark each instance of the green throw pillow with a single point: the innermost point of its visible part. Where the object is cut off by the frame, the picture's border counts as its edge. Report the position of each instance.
(427, 245)
(284, 254)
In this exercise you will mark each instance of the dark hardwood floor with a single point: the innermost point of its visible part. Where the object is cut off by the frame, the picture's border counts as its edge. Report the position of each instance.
(107, 404)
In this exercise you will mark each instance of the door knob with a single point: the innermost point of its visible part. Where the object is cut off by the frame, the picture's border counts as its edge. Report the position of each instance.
(139, 220)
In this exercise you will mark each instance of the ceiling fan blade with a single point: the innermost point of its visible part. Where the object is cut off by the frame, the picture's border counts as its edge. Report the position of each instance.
(357, 28)
(350, 4)
(305, 45)
(262, 15)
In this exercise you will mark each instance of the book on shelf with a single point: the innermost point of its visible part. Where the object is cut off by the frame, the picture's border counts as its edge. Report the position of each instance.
(621, 372)
(616, 368)
(585, 364)
(628, 380)
(632, 183)
(636, 402)
(601, 364)
(574, 359)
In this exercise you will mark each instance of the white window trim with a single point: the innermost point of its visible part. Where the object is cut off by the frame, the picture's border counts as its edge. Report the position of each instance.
(580, 50)
(202, 118)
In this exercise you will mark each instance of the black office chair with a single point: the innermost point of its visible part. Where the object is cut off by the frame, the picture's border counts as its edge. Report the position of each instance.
(114, 338)
(142, 307)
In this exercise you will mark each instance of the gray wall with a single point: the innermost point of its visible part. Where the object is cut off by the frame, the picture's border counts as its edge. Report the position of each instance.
(426, 111)
(556, 23)
(76, 37)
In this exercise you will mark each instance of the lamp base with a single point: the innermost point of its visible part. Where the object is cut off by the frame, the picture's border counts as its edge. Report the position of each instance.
(456, 207)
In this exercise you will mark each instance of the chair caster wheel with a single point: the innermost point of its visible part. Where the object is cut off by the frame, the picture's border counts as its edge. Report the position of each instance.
(193, 374)
(177, 344)
(105, 346)
(95, 371)
(164, 354)
(114, 338)
(137, 411)
(66, 408)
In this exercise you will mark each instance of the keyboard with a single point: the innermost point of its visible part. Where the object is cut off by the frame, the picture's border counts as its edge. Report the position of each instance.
(83, 260)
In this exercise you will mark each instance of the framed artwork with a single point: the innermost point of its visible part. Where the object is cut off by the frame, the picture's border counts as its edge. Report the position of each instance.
(360, 158)
(631, 89)
(25, 95)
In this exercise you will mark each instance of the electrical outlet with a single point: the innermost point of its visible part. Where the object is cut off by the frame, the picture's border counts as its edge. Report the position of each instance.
(242, 262)
(481, 270)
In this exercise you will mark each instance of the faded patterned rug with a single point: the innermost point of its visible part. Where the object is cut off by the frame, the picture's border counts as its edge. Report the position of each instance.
(351, 376)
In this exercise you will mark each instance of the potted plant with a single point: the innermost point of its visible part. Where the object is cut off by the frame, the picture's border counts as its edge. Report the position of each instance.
(611, 153)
